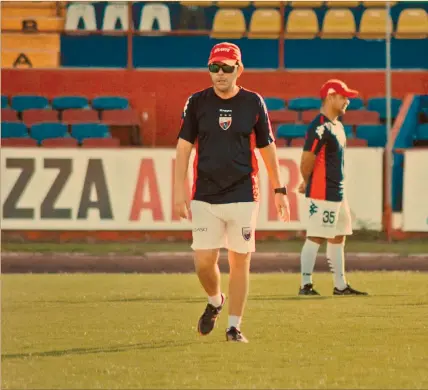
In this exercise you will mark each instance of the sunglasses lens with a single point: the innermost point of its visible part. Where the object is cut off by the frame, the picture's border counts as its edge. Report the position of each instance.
(228, 68)
(214, 68)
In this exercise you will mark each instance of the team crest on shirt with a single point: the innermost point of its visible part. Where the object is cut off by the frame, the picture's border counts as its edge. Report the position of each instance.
(246, 233)
(225, 119)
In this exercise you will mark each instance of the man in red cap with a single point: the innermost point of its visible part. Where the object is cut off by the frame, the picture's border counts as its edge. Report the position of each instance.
(226, 123)
(322, 168)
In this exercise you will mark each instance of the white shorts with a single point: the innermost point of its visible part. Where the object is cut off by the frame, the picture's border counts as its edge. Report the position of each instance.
(328, 219)
(231, 226)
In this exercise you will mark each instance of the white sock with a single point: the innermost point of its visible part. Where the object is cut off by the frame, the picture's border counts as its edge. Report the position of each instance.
(336, 258)
(216, 300)
(307, 260)
(234, 321)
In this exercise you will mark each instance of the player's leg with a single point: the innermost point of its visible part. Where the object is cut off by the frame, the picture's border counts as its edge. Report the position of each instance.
(336, 252)
(320, 226)
(240, 233)
(208, 232)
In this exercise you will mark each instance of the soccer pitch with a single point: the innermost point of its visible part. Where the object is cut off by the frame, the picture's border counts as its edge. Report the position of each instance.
(139, 331)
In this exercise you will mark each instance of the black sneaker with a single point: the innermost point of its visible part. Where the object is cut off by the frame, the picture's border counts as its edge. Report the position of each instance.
(308, 289)
(233, 334)
(348, 290)
(209, 317)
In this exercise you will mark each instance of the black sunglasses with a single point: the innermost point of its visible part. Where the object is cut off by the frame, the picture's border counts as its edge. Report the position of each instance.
(215, 68)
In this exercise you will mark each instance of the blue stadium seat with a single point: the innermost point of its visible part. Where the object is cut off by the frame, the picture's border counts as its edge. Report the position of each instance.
(4, 101)
(374, 134)
(348, 131)
(274, 103)
(291, 131)
(305, 103)
(13, 130)
(27, 102)
(110, 103)
(422, 132)
(90, 130)
(69, 102)
(379, 105)
(356, 104)
(41, 131)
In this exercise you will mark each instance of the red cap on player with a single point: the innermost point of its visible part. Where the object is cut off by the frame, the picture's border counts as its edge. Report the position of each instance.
(337, 86)
(226, 52)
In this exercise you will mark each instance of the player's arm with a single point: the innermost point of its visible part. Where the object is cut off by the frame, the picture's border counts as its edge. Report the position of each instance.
(270, 159)
(307, 164)
(315, 140)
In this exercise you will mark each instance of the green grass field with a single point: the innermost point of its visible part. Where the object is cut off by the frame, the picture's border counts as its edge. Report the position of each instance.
(139, 331)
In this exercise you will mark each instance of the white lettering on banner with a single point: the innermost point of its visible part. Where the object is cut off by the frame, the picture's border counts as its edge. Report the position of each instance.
(415, 190)
(63, 189)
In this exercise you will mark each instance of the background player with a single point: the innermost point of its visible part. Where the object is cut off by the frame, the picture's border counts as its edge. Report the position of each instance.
(227, 123)
(322, 168)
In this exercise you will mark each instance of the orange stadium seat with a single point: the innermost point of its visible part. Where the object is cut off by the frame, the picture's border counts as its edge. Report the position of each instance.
(373, 24)
(302, 24)
(63, 142)
(306, 4)
(233, 4)
(101, 143)
(38, 23)
(338, 23)
(265, 24)
(33, 116)
(73, 116)
(343, 4)
(412, 23)
(228, 23)
(27, 58)
(268, 4)
(378, 4)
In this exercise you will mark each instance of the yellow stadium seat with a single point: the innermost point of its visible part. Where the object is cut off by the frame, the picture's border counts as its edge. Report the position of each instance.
(233, 4)
(196, 3)
(338, 23)
(50, 42)
(373, 24)
(228, 23)
(29, 59)
(378, 4)
(265, 24)
(412, 24)
(307, 4)
(42, 23)
(343, 4)
(302, 24)
(268, 4)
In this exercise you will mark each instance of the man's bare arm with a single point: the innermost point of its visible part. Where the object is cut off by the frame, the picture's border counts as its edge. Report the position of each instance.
(270, 159)
(307, 164)
(183, 150)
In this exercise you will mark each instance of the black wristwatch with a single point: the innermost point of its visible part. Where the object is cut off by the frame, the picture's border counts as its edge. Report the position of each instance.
(281, 190)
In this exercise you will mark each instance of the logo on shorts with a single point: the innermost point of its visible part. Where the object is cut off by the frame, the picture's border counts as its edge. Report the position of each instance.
(313, 208)
(246, 233)
(225, 119)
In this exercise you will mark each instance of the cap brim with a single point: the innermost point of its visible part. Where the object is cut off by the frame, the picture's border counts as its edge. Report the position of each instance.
(224, 60)
(350, 93)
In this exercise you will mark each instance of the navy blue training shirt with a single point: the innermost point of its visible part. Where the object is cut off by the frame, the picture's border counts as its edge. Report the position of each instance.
(225, 133)
(327, 140)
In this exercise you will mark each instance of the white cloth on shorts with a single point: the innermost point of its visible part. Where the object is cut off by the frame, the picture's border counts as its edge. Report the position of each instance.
(328, 219)
(231, 225)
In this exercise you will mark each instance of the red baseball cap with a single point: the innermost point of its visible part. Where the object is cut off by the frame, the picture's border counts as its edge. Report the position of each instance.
(337, 86)
(226, 52)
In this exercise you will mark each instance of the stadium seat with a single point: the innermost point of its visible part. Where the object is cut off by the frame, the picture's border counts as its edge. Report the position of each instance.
(356, 142)
(233, 4)
(297, 142)
(291, 131)
(4, 101)
(7, 114)
(338, 24)
(62, 142)
(41, 131)
(355, 104)
(302, 24)
(196, 3)
(80, 11)
(283, 116)
(18, 142)
(90, 130)
(379, 105)
(33, 116)
(378, 4)
(304, 103)
(228, 23)
(361, 117)
(374, 134)
(348, 131)
(309, 115)
(274, 103)
(265, 24)
(74, 116)
(110, 103)
(27, 58)
(120, 117)
(373, 24)
(27, 102)
(343, 4)
(267, 4)
(306, 4)
(13, 130)
(113, 13)
(100, 143)
(412, 24)
(155, 12)
(422, 132)
(69, 102)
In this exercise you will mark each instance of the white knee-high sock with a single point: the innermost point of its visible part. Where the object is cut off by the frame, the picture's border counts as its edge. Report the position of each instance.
(307, 260)
(336, 259)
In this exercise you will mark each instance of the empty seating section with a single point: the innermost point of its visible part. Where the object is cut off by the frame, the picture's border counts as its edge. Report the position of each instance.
(73, 116)
(302, 24)
(228, 23)
(265, 24)
(69, 102)
(338, 23)
(412, 23)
